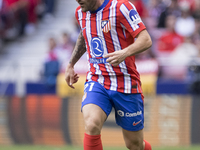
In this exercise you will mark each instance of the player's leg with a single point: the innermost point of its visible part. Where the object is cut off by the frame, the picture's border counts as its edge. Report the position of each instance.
(130, 116)
(95, 109)
(94, 117)
(133, 139)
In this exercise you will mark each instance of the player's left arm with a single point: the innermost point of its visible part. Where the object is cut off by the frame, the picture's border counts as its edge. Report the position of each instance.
(142, 43)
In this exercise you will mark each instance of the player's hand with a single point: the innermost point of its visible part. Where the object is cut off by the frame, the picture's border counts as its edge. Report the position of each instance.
(116, 57)
(70, 76)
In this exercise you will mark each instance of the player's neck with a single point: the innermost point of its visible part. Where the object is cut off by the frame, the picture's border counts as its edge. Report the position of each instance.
(98, 4)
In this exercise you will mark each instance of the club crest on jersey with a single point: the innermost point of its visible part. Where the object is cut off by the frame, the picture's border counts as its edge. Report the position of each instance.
(134, 16)
(105, 25)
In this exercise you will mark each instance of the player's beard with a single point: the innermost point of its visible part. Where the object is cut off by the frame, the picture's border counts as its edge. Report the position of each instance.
(84, 8)
(88, 7)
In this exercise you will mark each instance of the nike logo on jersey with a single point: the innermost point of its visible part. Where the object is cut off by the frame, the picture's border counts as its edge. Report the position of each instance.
(83, 29)
(105, 25)
(136, 123)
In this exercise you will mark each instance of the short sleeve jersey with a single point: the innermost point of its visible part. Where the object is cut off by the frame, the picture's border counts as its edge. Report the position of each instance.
(112, 27)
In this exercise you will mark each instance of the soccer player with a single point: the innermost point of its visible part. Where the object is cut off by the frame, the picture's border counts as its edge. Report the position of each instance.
(112, 32)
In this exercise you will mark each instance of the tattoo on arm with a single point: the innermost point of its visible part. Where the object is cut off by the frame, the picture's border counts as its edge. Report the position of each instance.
(79, 49)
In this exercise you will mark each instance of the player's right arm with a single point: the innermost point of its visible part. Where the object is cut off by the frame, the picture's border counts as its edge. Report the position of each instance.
(70, 76)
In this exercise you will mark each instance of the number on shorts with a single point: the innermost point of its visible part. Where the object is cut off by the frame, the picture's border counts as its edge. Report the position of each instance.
(91, 86)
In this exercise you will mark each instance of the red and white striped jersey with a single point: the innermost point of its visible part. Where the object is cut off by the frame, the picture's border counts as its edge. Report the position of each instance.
(112, 27)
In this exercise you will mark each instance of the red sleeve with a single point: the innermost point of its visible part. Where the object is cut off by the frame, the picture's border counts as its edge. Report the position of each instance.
(130, 19)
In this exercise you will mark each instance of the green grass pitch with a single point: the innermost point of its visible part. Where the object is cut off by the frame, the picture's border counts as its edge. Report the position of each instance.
(33, 147)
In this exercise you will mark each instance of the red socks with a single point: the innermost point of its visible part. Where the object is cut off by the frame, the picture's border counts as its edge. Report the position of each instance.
(147, 146)
(92, 142)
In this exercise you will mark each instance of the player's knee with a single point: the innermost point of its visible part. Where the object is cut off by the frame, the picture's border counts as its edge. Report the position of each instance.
(134, 145)
(92, 127)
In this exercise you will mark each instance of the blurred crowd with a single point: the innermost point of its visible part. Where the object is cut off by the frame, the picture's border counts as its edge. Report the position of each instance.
(174, 26)
(20, 17)
(58, 55)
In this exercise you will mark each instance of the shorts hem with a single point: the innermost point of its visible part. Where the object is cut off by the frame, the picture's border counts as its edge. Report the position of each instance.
(94, 104)
(131, 129)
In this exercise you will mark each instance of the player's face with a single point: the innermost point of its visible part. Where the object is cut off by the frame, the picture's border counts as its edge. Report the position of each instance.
(88, 5)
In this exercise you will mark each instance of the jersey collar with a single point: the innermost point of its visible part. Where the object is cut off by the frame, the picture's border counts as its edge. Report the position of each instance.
(101, 7)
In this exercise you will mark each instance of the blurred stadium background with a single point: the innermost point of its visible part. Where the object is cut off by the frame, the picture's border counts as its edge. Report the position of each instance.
(36, 106)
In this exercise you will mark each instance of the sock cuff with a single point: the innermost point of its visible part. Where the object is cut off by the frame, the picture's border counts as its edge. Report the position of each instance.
(92, 142)
(147, 145)
(92, 136)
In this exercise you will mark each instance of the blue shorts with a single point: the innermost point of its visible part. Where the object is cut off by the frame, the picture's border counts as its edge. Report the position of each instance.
(129, 108)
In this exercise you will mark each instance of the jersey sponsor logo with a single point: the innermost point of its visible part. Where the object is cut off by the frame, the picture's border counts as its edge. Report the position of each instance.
(97, 51)
(134, 16)
(105, 25)
(128, 114)
(136, 123)
(97, 47)
(98, 61)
